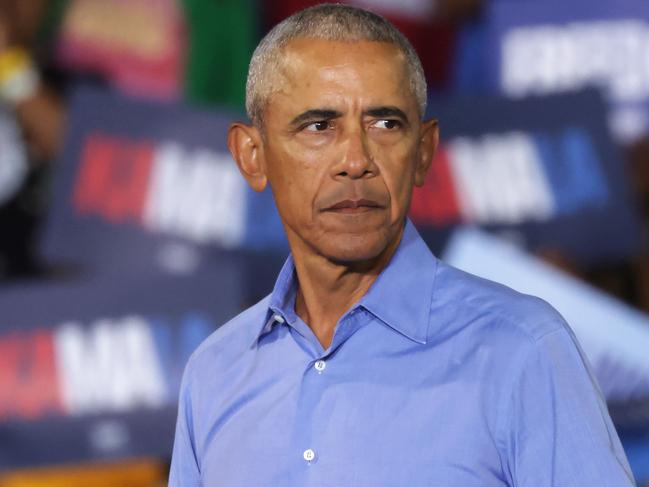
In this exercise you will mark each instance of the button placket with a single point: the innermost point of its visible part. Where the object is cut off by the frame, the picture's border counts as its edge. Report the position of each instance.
(312, 387)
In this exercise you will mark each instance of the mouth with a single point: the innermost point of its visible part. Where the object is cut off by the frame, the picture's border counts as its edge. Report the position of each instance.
(353, 206)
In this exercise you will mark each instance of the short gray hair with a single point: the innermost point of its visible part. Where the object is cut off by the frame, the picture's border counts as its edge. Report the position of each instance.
(331, 22)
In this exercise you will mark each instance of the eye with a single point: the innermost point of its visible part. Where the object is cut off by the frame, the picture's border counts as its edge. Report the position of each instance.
(319, 126)
(387, 124)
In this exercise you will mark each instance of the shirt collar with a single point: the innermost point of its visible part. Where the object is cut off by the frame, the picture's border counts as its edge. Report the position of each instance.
(281, 305)
(400, 297)
(282, 299)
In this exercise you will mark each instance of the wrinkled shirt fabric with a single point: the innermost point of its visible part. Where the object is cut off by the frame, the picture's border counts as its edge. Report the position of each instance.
(434, 378)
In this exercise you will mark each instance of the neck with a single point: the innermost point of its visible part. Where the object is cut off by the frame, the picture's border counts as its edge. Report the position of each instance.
(328, 289)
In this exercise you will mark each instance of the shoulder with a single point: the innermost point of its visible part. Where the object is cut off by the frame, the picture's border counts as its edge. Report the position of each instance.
(493, 307)
(230, 340)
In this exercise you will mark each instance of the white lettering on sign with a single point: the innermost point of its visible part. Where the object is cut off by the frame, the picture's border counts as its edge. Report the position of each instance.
(500, 179)
(545, 59)
(199, 195)
(112, 365)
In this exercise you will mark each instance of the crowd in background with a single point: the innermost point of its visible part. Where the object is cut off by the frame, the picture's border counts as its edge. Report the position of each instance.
(214, 40)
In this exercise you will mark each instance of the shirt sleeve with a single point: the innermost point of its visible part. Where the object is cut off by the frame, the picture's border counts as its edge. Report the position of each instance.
(185, 470)
(559, 432)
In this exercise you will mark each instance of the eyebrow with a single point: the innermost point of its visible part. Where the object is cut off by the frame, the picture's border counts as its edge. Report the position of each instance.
(316, 114)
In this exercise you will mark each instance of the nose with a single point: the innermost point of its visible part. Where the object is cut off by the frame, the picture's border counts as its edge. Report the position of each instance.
(356, 160)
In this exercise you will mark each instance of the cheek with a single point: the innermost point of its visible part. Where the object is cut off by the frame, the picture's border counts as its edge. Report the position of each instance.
(398, 176)
(295, 182)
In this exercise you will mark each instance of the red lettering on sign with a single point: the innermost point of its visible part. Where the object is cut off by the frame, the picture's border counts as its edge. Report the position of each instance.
(9, 371)
(436, 203)
(29, 386)
(113, 178)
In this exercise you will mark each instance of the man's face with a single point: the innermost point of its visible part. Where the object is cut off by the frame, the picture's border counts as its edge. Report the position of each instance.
(342, 147)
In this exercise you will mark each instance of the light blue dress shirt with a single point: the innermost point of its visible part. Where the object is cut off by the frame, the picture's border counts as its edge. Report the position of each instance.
(434, 378)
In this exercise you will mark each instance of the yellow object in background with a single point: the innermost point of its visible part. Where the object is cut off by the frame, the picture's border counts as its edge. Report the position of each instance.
(19, 79)
(13, 60)
(142, 473)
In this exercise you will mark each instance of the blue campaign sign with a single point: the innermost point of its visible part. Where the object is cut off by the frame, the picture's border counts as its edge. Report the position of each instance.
(543, 170)
(539, 48)
(143, 185)
(90, 370)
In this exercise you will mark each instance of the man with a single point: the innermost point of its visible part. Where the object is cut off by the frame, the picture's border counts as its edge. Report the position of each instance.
(372, 363)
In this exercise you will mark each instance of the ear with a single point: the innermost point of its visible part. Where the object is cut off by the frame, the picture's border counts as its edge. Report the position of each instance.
(245, 144)
(428, 140)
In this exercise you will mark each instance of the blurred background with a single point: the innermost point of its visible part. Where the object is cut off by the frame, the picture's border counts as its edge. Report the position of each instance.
(127, 234)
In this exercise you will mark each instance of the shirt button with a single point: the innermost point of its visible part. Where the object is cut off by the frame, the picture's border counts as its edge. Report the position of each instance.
(308, 455)
(320, 365)
(278, 318)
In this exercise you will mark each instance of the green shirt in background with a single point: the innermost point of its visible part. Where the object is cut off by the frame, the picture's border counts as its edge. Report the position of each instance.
(221, 37)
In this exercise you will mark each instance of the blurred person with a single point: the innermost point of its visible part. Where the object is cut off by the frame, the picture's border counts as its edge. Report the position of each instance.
(372, 362)
(37, 107)
(31, 124)
(162, 50)
(47, 47)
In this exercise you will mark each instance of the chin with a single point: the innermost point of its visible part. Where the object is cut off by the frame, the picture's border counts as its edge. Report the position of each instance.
(350, 248)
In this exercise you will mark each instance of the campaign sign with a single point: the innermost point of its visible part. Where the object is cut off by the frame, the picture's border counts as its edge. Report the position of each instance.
(539, 48)
(149, 186)
(543, 170)
(90, 370)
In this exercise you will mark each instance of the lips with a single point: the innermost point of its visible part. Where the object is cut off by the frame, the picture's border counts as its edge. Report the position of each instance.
(353, 206)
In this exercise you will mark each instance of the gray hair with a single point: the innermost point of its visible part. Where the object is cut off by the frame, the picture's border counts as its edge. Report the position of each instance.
(331, 22)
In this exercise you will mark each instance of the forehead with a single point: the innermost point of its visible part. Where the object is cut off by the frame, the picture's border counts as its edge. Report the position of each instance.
(321, 72)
